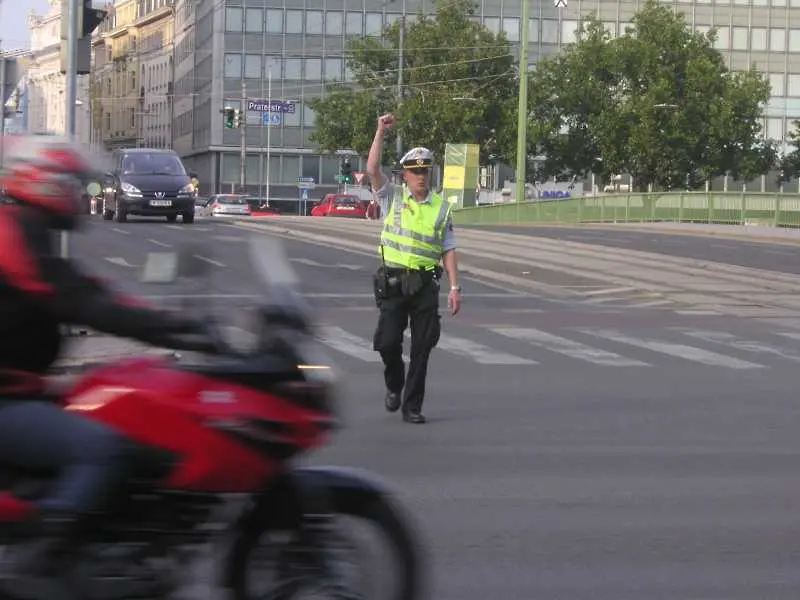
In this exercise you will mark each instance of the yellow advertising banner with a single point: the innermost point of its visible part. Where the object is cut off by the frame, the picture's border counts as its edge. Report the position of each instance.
(461, 168)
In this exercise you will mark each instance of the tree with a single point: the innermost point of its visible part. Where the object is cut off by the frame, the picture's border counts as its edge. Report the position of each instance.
(790, 162)
(458, 79)
(658, 103)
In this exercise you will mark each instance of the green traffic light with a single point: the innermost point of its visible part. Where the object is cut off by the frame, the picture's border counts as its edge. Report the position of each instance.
(229, 116)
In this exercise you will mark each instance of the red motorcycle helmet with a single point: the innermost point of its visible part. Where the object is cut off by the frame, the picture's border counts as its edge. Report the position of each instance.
(50, 174)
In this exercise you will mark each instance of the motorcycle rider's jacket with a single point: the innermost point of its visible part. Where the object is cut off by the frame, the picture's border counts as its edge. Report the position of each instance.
(40, 291)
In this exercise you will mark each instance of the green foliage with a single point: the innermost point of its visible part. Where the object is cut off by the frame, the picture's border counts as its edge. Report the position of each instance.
(459, 81)
(658, 103)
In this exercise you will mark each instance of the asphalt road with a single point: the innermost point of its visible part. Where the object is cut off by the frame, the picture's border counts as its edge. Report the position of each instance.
(760, 255)
(572, 451)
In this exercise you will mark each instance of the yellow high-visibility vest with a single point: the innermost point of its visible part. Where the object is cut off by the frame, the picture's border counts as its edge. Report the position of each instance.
(413, 232)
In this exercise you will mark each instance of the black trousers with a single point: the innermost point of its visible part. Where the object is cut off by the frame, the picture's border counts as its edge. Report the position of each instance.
(89, 459)
(421, 311)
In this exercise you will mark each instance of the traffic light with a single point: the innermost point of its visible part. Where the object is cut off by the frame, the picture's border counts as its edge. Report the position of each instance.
(230, 116)
(90, 14)
(237, 118)
(347, 171)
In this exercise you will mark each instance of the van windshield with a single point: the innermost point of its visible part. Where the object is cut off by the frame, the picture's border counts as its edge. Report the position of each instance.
(157, 163)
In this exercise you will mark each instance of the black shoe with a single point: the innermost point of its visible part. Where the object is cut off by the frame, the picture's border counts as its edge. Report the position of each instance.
(414, 416)
(392, 401)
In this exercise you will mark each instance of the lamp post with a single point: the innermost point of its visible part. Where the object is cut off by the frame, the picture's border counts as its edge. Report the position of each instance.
(522, 108)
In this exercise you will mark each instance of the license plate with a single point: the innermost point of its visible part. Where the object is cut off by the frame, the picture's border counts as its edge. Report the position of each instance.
(160, 202)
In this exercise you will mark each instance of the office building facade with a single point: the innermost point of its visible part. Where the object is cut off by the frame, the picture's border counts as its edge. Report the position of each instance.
(221, 44)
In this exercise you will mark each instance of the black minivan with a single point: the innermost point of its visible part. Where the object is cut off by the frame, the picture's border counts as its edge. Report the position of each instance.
(151, 182)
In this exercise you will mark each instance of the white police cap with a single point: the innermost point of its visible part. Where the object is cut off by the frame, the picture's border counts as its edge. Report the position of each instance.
(417, 157)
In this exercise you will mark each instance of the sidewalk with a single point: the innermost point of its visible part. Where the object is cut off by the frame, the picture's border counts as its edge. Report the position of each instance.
(752, 233)
(84, 352)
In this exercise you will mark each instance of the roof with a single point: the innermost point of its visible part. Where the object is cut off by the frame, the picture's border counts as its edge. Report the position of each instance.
(148, 151)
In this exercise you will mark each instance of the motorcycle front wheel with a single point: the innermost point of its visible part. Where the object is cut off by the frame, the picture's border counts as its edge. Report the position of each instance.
(305, 563)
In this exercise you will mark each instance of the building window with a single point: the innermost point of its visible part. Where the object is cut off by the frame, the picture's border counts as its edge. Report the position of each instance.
(511, 28)
(355, 23)
(274, 20)
(292, 68)
(252, 66)
(775, 129)
(723, 38)
(233, 66)
(793, 85)
(254, 22)
(776, 84)
(492, 24)
(233, 19)
(314, 22)
(334, 23)
(740, 38)
(549, 32)
(333, 69)
(294, 21)
(777, 40)
(569, 32)
(132, 112)
(794, 40)
(108, 121)
(758, 39)
(374, 24)
(533, 30)
(308, 116)
(313, 69)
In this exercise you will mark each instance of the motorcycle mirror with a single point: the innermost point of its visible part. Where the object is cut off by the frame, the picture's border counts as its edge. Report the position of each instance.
(160, 267)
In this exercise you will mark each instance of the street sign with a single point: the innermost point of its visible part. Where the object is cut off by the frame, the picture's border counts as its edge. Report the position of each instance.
(560, 3)
(305, 183)
(275, 106)
(359, 175)
(305, 194)
(271, 118)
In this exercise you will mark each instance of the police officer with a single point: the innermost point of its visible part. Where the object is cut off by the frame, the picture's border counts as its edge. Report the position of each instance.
(417, 236)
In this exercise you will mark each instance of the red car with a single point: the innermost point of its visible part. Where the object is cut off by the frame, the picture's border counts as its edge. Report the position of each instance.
(340, 205)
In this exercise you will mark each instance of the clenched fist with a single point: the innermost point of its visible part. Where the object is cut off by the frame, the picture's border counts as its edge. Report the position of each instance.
(386, 122)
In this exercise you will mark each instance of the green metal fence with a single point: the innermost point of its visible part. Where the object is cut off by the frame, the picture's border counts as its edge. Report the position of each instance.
(780, 210)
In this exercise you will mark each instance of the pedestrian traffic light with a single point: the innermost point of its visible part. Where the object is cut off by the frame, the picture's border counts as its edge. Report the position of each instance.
(230, 115)
(347, 171)
(237, 118)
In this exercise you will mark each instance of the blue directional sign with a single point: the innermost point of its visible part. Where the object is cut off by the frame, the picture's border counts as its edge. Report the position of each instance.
(305, 183)
(273, 106)
(271, 118)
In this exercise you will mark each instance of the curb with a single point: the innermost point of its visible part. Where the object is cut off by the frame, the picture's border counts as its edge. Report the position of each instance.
(683, 232)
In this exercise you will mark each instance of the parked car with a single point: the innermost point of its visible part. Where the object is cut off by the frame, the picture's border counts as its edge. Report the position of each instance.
(229, 205)
(150, 182)
(340, 205)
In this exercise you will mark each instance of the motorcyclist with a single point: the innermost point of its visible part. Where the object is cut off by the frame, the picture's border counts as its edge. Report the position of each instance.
(44, 179)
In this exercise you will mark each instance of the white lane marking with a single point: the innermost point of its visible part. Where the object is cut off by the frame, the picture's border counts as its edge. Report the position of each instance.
(177, 227)
(608, 291)
(307, 261)
(689, 353)
(481, 354)
(603, 300)
(121, 262)
(650, 304)
(312, 263)
(347, 343)
(728, 339)
(157, 243)
(209, 261)
(699, 313)
(229, 238)
(781, 252)
(570, 348)
(122, 231)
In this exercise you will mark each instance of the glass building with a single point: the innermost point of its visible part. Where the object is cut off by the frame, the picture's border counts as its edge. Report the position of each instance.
(221, 44)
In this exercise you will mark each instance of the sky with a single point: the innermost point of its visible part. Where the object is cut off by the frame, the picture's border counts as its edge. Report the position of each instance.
(14, 21)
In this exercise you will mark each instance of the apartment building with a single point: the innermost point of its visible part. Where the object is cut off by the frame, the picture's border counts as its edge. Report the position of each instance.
(45, 85)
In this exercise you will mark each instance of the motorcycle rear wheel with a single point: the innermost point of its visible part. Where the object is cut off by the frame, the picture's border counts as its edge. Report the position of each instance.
(378, 511)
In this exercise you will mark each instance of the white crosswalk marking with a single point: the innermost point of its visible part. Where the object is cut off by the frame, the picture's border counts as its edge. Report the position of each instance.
(728, 339)
(478, 352)
(678, 350)
(570, 348)
(347, 343)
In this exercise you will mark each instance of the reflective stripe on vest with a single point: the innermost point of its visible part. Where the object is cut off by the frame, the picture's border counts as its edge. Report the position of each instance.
(414, 239)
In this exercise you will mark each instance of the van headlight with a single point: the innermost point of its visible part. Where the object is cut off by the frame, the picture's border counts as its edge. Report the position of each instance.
(131, 190)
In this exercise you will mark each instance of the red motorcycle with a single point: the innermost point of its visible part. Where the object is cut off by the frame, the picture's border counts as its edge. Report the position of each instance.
(220, 434)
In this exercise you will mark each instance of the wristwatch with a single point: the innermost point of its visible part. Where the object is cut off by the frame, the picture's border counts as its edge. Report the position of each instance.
(455, 288)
